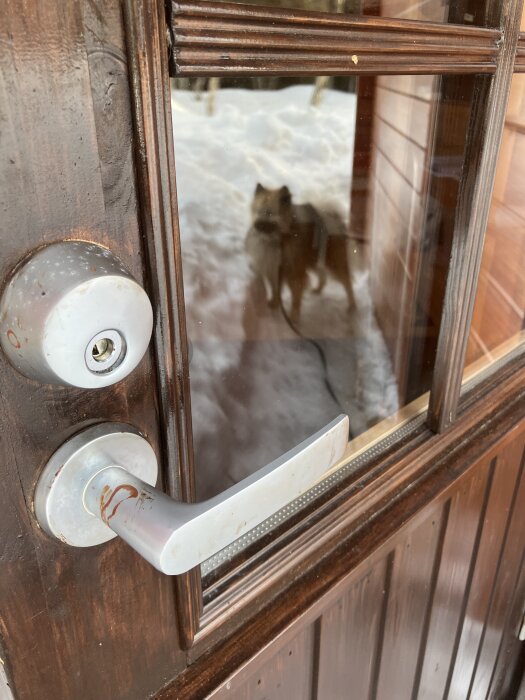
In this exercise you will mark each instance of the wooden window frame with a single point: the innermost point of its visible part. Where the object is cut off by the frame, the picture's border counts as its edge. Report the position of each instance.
(163, 41)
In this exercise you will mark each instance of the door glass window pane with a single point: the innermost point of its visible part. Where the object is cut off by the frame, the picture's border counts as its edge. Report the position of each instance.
(469, 12)
(498, 320)
(316, 222)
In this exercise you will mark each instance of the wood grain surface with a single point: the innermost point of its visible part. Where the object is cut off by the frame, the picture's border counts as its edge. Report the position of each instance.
(216, 38)
(154, 160)
(100, 622)
(421, 618)
(481, 153)
(376, 573)
(520, 54)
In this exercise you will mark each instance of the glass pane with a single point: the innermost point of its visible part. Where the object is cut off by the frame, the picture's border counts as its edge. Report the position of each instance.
(316, 224)
(473, 12)
(499, 313)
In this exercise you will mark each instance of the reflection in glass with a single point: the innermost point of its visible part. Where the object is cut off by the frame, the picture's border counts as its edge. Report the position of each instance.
(473, 12)
(316, 224)
(498, 320)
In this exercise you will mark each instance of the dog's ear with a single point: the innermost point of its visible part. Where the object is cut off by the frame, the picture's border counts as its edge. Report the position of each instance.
(285, 196)
(258, 188)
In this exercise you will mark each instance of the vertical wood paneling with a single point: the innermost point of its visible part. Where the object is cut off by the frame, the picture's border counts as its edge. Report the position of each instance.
(349, 632)
(435, 616)
(287, 676)
(409, 591)
(504, 583)
(485, 569)
(510, 661)
(460, 539)
(521, 692)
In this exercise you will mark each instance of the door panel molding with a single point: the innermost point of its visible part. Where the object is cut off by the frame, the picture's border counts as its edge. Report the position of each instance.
(216, 38)
(147, 49)
(482, 149)
(156, 174)
(433, 601)
(324, 528)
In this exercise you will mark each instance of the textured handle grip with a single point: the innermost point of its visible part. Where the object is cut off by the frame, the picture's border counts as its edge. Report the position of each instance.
(175, 537)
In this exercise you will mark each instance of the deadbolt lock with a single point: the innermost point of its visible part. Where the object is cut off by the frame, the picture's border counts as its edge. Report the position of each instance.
(73, 315)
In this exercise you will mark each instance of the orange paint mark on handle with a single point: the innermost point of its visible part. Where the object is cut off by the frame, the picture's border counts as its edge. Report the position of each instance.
(132, 492)
(11, 336)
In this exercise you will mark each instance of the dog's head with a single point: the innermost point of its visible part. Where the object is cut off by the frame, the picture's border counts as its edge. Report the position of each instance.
(271, 209)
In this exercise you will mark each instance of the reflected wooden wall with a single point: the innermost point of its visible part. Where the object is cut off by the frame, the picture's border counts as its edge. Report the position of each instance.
(435, 616)
(401, 151)
(499, 312)
(420, 131)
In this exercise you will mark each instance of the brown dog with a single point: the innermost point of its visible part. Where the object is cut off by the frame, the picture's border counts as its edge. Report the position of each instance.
(286, 240)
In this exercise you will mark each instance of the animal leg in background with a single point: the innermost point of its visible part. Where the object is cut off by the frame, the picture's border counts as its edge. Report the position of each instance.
(274, 278)
(337, 263)
(297, 282)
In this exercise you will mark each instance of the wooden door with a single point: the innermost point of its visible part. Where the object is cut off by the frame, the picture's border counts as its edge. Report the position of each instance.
(402, 577)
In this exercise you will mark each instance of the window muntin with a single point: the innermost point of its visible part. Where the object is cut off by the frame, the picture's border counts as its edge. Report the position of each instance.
(498, 321)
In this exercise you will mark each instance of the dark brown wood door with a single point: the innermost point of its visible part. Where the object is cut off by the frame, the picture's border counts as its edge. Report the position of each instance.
(432, 613)
(402, 579)
(74, 623)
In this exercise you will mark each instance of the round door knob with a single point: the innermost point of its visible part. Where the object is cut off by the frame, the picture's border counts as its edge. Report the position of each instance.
(73, 315)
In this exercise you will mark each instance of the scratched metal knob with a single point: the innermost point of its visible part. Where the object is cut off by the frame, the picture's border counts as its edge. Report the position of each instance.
(73, 315)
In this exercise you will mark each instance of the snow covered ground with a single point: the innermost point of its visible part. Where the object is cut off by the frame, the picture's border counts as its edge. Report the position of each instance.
(257, 388)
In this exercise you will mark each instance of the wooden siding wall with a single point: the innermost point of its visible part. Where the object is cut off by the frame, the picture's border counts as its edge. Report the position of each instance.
(499, 313)
(402, 128)
(401, 152)
(435, 614)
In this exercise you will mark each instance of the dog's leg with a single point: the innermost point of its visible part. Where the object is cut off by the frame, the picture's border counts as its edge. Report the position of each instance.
(297, 285)
(321, 83)
(337, 263)
(342, 275)
(321, 279)
(198, 87)
(349, 292)
(273, 278)
(213, 86)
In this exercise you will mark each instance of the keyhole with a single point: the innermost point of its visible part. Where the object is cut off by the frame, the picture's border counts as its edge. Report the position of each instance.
(103, 349)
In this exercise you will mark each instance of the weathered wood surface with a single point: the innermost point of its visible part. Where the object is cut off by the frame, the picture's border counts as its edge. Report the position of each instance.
(96, 623)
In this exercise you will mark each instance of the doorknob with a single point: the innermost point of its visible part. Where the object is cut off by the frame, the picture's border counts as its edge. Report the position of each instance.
(73, 315)
(99, 484)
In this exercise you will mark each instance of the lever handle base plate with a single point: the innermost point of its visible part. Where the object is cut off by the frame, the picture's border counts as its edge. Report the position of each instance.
(60, 489)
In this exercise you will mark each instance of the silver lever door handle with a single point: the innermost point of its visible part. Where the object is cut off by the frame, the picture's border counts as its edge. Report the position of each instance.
(99, 484)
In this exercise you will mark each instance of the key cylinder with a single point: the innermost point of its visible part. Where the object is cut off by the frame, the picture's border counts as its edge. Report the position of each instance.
(72, 314)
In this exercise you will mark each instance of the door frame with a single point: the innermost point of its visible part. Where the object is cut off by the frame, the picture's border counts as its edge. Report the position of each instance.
(410, 454)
